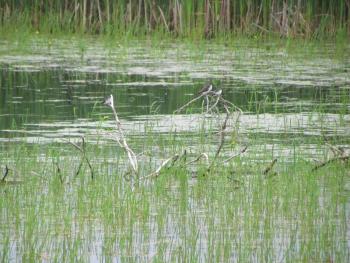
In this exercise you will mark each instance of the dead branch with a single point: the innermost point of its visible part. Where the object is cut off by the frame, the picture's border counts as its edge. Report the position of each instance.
(228, 103)
(339, 158)
(190, 102)
(198, 158)
(5, 173)
(82, 149)
(120, 138)
(269, 168)
(337, 151)
(236, 155)
(156, 173)
(208, 92)
(222, 132)
(59, 173)
(218, 96)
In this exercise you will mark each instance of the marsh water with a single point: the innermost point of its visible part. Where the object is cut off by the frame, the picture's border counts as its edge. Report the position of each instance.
(293, 99)
(49, 91)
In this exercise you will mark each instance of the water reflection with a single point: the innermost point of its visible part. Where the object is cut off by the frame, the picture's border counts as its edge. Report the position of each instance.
(278, 91)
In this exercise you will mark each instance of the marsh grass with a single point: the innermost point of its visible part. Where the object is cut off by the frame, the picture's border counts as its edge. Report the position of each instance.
(195, 19)
(233, 213)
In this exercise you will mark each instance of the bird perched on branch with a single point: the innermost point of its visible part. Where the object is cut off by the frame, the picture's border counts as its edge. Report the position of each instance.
(109, 101)
(206, 89)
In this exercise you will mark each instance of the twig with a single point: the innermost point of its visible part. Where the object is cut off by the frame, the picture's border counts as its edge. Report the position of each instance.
(340, 158)
(335, 150)
(198, 158)
(222, 133)
(5, 174)
(228, 103)
(189, 103)
(228, 106)
(237, 154)
(215, 104)
(59, 173)
(79, 167)
(156, 173)
(83, 151)
(269, 168)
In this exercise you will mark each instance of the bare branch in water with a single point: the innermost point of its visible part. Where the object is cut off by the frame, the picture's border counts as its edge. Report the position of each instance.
(345, 158)
(215, 104)
(59, 173)
(222, 132)
(189, 103)
(5, 173)
(337, 151)
(269, 168)
(120, 138)
(236, 155)
(198, 158)
(82, 149)
(156, 173)
(216, 100)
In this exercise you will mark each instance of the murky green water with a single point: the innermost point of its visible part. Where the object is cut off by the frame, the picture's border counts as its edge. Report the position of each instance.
(51, 91)
(293, 100)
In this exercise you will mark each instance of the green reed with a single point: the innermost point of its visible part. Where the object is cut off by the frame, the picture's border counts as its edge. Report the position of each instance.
(197, 19)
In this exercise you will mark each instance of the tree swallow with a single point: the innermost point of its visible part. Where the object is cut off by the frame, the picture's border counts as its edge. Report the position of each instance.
(206, 89)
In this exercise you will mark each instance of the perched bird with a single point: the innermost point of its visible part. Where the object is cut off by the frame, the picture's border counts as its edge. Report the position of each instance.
(109, 101)
(206, 89)
(218, 92)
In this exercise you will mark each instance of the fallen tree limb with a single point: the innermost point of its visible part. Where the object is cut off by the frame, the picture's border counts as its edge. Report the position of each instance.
(339, 158)
(198, 158)
(236, 155)
(156, 173)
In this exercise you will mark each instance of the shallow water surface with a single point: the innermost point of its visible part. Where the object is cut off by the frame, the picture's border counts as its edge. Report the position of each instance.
(54, 92)
(295, 103)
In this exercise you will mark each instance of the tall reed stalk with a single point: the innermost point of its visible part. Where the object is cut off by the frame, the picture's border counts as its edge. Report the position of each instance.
(208, 18)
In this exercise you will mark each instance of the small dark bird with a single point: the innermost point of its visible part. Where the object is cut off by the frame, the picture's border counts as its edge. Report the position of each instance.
(206, 89)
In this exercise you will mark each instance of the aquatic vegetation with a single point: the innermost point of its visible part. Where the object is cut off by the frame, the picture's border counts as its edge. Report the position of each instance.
(195, 19)
(273, 186)
(236, 212)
